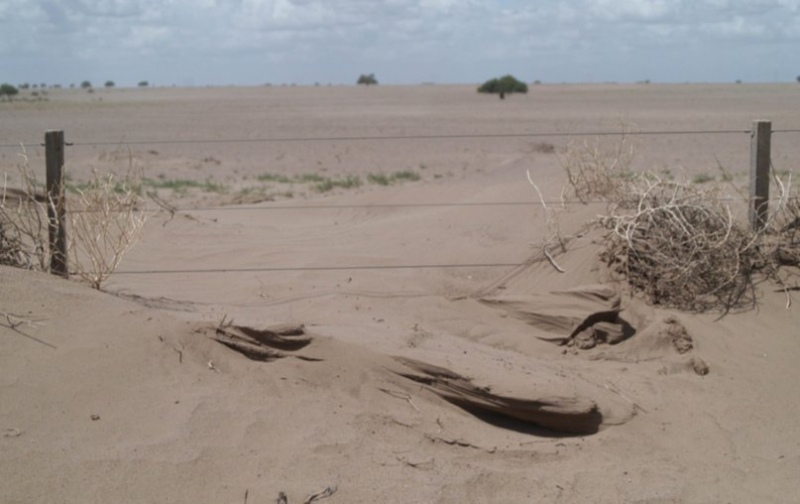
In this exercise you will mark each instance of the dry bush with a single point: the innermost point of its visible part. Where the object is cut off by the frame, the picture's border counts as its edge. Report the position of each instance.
(782, 235)
(10, 249)
(104, 218)
(598, 169)
(677, 244)
(105, 222)
(681, 248)
(23, 219)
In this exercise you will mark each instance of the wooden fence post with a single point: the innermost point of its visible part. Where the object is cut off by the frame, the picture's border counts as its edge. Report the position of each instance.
(56, 203)
(760, 145)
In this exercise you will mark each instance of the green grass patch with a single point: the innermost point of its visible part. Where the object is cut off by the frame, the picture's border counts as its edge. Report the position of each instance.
(702, 178)
(272, 177)
(311, 177)
(400, 176)
(379, 179)
(349, 182)
(182, 186)
(406, 175)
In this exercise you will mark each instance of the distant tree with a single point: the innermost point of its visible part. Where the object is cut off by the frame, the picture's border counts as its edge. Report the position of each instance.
(8, 90)
(367, 80)
(143, 83)
(506, 84)
(86, 84)
(110, 83)
(798, 78)
(24, 86)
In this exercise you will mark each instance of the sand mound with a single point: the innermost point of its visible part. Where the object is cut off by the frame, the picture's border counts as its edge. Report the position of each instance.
(535, 403)
(583, 316)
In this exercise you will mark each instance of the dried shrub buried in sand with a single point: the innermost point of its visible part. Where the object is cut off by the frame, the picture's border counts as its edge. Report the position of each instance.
(680, 247)
(676, 243)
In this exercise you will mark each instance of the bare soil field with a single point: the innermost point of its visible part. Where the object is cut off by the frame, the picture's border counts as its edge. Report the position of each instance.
(350, 303)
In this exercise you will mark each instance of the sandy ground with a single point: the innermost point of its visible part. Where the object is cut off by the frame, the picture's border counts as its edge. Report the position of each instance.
(124, 396)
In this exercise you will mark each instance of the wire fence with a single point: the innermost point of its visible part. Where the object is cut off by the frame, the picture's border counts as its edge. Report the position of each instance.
(322, 207)
(367, 138)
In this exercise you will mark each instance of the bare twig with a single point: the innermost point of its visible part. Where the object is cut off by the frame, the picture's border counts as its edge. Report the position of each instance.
(552, 261)
(400, 395)
(321, 495)
(14, 322)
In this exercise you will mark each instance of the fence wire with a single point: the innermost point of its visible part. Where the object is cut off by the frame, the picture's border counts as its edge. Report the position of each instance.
(273, 208)
(367, 138)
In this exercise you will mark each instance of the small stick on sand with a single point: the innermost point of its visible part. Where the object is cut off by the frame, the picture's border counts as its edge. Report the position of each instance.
(552, 261)
(400, 395)
(321, 495)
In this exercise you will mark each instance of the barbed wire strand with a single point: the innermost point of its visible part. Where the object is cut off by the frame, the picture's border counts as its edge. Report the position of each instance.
(316, 268)
(247, 208)
(401, 137)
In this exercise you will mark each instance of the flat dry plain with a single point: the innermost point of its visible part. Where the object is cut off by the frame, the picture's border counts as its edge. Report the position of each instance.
(388, 221)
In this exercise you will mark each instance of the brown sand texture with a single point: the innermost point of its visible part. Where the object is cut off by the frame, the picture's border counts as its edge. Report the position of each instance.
(396, 343)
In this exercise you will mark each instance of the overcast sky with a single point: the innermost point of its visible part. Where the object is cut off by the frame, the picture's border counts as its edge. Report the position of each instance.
(202, 42)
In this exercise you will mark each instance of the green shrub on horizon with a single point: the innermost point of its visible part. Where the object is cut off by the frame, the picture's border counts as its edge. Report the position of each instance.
(8, 90)
(506, 84)
(367, 80)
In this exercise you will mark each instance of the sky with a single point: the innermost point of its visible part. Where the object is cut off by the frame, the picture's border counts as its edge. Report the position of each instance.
(303, 42)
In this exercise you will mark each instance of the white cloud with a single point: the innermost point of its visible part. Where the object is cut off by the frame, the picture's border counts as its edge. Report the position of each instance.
(408, 38)
(613, 10)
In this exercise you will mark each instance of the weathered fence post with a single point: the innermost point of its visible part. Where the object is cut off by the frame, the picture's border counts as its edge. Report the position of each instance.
(759, 174)
(56, 204)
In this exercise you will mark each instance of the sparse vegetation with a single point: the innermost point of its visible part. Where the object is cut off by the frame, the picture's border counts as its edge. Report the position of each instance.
(109, 84)
(86, 85)
(183, 186)
(400, 176)
(143, 83)
(348, 182)
(272, 177)
(506, 84)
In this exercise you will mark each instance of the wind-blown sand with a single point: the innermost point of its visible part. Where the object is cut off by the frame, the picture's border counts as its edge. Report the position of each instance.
(125, 395)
